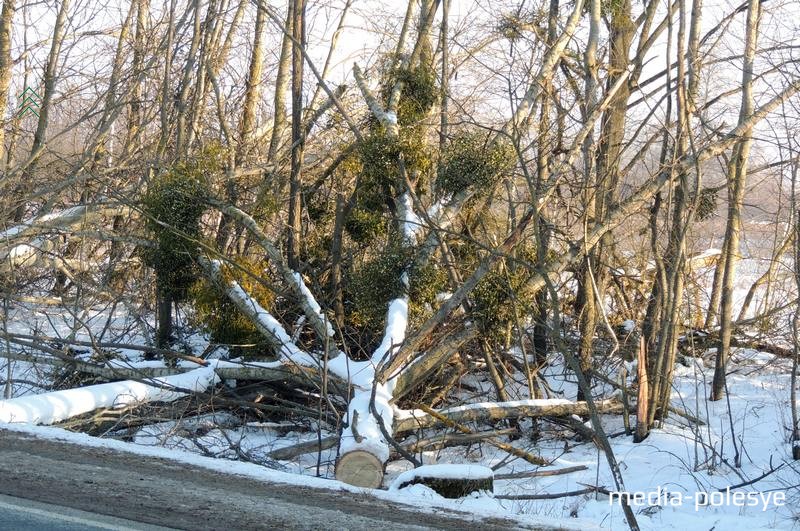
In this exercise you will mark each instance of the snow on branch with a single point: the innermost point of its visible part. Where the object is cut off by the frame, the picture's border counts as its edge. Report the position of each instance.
(61, 219)
(311, 303)
(14, 253)
(411, 223)
(311, 308)
(25, 254)
(387, 119)
(269, 327)
(395, 331)
(370, 407)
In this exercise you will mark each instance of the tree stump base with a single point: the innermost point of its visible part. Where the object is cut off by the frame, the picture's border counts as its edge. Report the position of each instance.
(360, 469)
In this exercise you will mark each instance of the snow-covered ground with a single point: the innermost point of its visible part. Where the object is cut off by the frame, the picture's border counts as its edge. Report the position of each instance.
(680, 472)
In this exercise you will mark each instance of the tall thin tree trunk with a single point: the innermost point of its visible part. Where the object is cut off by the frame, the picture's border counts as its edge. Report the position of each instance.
(214, 54)
(593, 280)
(295, 199)
(738, 177)
(543, 162)
(281, 86)
(139, 48)
(443, 86)
(712, 312)
(50, 79)
(252, 94)
(795, 217)
(16, 121)
(585, 306)
(675, 256)
(6, 66)
(166, 92)
(182, 103)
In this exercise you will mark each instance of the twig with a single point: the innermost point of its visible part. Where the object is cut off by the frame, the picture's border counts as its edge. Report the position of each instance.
(771, 471)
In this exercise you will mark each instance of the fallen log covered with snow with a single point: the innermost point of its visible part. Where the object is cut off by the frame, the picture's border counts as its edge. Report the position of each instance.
(49, 408)
(488, 411)
(450, 481)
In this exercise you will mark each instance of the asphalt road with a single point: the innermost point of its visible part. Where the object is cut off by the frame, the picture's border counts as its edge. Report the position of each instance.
(159, 492)
(19, 514)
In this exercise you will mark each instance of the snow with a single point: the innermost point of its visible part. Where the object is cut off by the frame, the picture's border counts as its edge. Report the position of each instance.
(412, 225)
(20, 255)
(366, 424)
(25, 254)
(66, 213)
(473, 472)
(16, 230)
(312, 302)
(267, 321)
(359, 373)
(288, 350)
(358, 411)
(11, 232)
(148, 364)
(443, 296)
(190, 365)
(395, 332)
(708, 253)
(435, 208)
(48, 408)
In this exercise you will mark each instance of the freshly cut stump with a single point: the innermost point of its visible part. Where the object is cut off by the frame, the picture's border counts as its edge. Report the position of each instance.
(360, 468)
(450, 481)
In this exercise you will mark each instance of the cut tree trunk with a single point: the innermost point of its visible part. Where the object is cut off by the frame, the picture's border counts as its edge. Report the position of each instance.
(360, 468)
